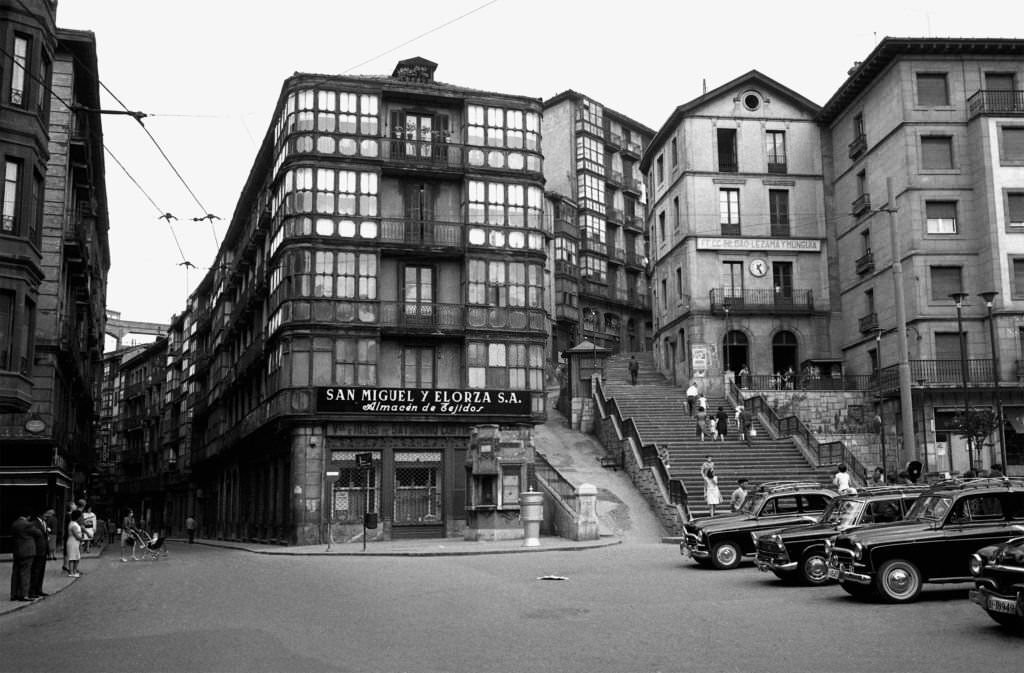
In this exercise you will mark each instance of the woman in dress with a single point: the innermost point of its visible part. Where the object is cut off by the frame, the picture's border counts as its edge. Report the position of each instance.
(74, 543)
(127, 525)
(722, 424)
(712, 496)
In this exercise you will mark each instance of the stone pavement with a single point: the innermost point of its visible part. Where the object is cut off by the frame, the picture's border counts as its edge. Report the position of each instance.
(55, 580)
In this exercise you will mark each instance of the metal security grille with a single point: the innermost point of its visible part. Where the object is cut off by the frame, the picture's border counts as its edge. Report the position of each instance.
(417, 493)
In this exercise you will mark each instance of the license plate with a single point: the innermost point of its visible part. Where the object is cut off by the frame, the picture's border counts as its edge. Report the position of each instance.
(1004, 605)
(833, 573)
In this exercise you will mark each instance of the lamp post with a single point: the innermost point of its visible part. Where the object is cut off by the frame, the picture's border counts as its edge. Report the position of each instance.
(997, 408)
(959, 297)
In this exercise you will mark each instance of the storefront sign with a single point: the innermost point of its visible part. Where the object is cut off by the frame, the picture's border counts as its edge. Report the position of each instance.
(423, 401)
(780, 244)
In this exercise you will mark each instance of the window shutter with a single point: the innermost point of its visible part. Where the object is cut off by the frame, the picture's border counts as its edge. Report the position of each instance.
(937, 152)
(945, 281)
(931, 89)
(1015, 208)
(1013, 143)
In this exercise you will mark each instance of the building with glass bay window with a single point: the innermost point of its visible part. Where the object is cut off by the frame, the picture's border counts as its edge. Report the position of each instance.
(379, 291)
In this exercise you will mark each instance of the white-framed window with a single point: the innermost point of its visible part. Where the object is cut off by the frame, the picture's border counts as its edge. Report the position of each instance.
(940, 217)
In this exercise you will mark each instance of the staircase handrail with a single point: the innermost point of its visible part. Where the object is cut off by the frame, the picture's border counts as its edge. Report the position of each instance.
(824, 453)
(556, 483)
(649, 453)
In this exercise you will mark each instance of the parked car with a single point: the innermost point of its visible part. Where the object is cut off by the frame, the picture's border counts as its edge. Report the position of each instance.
(799, 553)
(999, 582)
(724, 541)
(943, 529)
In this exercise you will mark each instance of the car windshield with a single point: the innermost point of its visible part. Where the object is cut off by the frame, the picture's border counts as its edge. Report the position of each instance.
(930, 507)
(843, 512)
(752, 504)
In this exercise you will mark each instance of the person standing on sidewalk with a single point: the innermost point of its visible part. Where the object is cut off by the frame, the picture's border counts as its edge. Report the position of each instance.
(190, 528)
(634, 369)
(88, 527)
(23, 532)
(35, 587)
(127, 526)
(76, 536)
(691, 396)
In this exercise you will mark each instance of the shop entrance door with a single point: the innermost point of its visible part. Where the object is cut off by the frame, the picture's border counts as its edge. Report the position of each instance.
(418, 495)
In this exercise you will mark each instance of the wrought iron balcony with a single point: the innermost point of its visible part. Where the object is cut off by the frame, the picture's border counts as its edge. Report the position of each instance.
(937, 374)
(635, 222)
(614, 215)
(761, 301)
(423, 317)
(868, 323)
(422, 233)
(633, 185)
(567, 268)
(858, 146)
(634, 147)
(865, 263)
(861, 204)
(996, 102)
(777, 166)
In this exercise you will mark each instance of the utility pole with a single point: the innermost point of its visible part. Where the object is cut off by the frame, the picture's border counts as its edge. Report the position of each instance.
(906, 399)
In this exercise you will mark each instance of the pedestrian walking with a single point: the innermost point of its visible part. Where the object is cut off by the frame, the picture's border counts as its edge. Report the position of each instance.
(50, 517)
(88, 527)
(35, 587)
(691, 396)
(722, 424)
(711, 429)
(702, 423)
(745, 423)
(744, 376)
(190, 528)
(712, 496)
(74, 543)
(634, 369)
(23, 533)
(127, 526)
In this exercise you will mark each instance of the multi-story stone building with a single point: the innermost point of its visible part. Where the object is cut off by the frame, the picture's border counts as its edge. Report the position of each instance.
(591, 164)
(940, 122)
(379, 292)
(54, 258)
(736, 222)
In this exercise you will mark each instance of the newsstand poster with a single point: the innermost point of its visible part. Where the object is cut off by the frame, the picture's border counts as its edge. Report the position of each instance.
(423, 401)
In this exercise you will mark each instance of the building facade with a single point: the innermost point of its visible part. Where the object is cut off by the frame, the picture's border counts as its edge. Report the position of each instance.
(737, 233)
(54, 258)
(595, 191)
(924, 147)
(379, 293)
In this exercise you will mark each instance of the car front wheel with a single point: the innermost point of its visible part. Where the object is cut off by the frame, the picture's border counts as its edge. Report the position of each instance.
(899, 581)
(815, 567)
(725, 556)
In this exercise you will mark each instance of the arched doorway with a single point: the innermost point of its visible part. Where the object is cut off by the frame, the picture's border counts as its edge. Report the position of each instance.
(784, 352)
(735, 350)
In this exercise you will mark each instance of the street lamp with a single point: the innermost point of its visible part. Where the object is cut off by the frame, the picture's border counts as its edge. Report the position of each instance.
(959, 297)
(726, 306)
(997, 408)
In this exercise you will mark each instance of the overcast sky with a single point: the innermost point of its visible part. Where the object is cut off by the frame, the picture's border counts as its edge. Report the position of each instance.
(208, 74)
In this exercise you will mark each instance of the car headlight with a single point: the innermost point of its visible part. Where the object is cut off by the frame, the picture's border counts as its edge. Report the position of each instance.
(976, 564)
(828, 546)
(754, 536)
(858, 550)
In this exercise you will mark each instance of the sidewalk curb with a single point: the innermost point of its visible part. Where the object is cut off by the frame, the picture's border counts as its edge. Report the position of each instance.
(66, 582)
(287, 551)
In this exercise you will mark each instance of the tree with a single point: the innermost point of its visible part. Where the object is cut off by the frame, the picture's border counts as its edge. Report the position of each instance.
(974, 426)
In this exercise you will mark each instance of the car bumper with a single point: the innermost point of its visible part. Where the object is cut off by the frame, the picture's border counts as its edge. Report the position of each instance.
(766, 563)
(994, 601)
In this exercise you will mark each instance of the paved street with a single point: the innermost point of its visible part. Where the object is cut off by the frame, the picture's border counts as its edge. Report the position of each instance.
(632, 607)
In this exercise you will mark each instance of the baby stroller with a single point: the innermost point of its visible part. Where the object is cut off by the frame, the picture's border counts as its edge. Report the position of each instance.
(152, 545)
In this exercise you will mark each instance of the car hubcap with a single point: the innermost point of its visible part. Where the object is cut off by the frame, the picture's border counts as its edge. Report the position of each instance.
(899, 580)
(816, 568)
(726, 555)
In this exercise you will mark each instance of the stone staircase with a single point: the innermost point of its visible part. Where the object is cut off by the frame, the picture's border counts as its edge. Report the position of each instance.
(659, 411)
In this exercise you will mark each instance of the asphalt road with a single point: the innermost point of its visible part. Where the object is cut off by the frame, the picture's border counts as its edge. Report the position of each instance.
(632, 607)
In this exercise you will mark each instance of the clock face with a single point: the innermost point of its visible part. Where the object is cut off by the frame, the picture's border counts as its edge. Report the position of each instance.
(758, 267)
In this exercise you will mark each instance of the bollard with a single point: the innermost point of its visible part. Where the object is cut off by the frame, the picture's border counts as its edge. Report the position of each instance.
(587, 524)
(531, 512)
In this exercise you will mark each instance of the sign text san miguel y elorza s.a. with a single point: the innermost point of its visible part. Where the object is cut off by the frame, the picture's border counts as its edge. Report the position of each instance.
(423, 401)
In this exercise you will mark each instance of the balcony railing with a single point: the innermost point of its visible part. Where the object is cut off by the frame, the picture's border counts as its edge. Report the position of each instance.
(865, 263)
(617, 254)
(593, 288)
(426, 317)
(434, 234)
(506, 318)
(614, 215)
(777, 166)
(615, 176)
(437, 154)
(567, 268)
(861, 204)
(634, 147)
(633, 258)
(762, 301)
(731, 229)
(937, 373)
(564, 225)
(613, 139)
(996, 102)
(858, 146)
(593, 245)
(869, 322)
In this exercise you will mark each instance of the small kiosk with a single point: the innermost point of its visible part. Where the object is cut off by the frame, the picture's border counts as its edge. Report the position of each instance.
(585, 360)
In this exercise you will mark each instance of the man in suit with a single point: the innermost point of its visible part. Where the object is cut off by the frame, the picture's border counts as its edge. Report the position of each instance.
(35, 589)
(23, 532)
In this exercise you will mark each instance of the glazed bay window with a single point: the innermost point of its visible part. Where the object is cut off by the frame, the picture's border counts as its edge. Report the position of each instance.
(21, 51)
(340, 199)
(565, 250)
(592, 229)
(940, 217)
(329, 361)
(341, 117)
(11, 193)
(505, 366)
(502, 129)
(509, 208)
(589, 154)
(593, 268)
(729, 211)
(501, 283)
(590, 191)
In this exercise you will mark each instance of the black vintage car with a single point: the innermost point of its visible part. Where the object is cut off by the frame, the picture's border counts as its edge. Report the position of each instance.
(935, 542)
(723, 541)
(799, 553)
(999, 582)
